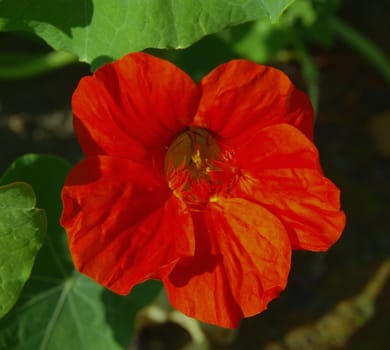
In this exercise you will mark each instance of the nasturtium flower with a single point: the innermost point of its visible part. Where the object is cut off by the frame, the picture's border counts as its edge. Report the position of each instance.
(207, 187)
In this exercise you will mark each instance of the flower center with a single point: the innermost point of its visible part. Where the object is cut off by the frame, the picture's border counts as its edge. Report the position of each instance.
(189, 164)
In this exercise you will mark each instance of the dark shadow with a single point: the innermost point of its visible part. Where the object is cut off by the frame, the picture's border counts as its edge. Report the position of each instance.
(187, 268)
(62, 14)
(121, 310)
(35, 117)
(164, 336)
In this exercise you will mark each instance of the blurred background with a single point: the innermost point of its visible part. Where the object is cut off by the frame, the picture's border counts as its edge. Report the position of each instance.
(335, 300)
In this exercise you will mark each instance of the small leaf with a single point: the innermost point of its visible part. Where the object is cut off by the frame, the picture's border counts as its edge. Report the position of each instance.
(102, 30)
(46, 174)
(22, 230)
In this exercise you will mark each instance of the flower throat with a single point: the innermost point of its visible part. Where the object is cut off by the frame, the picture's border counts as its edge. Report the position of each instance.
(189, 163)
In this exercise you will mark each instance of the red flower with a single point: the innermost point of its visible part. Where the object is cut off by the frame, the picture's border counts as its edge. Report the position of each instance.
(206, 187)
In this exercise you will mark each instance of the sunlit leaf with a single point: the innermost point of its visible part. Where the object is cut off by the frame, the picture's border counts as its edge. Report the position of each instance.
(59, 308)
(22, 230)
(101, 30)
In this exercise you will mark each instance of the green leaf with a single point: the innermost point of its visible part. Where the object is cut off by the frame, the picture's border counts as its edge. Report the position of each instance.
(22, 230)
(101, 30)
(46, 174)
(68, 314)
(59, 308)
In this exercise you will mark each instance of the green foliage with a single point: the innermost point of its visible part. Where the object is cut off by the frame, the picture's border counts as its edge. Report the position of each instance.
(66, 314)
(101, 30)
(46, 174)
(306, 21)
(59, 308)
(22, 230)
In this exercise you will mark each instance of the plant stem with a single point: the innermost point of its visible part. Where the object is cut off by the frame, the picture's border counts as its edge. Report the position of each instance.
(35, 65)
(363, 45)
(309, 72)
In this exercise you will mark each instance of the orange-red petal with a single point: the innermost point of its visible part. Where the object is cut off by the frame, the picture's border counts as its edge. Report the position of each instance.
(276, 146)
(123, 224)
(280, 170)
(133, 106)
(241, 263)
(240, 96)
